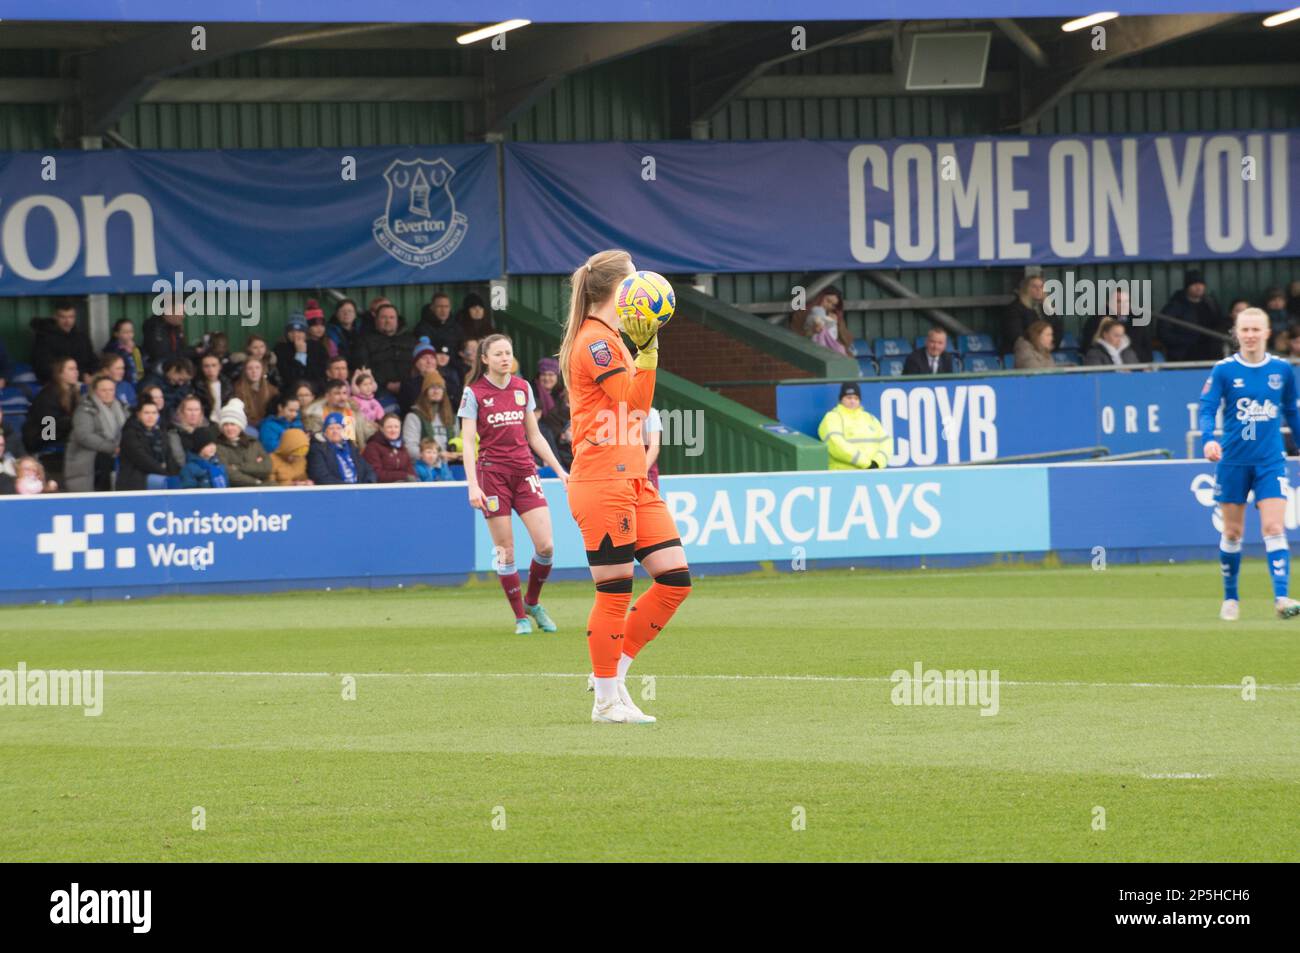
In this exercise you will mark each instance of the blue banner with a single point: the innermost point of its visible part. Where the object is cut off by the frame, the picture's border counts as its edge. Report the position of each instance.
(937, 420)
(823, 205)
(75, 222)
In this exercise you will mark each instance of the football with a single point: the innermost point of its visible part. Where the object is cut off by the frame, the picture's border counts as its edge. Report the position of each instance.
(647, 295)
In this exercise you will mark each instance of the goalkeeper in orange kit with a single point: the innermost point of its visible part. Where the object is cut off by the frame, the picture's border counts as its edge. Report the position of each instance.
(618, 511)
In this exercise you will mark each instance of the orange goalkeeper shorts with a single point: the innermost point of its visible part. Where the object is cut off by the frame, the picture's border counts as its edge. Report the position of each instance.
(621, 520)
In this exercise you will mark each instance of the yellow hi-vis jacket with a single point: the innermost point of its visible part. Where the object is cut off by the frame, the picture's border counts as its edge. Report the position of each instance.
(855, 439)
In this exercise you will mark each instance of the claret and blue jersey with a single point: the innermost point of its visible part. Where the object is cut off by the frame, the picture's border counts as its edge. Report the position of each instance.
(1256, 399)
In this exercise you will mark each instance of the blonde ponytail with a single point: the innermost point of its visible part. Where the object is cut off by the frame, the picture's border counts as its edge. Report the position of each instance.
(590, 284)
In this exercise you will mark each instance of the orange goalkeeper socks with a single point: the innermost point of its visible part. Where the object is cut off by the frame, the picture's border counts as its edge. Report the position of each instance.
(605, 636)
(655, 607)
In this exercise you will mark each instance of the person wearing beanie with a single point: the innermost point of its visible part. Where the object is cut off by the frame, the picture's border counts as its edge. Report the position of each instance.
(316, 329)
(289, 461)
(244, 458)
(475, 319)
(203, 469)
(1195, 305)
(431, 418)
(424, 360)
(855, 440)
(332, 460)
(300, 356)
(387, 455)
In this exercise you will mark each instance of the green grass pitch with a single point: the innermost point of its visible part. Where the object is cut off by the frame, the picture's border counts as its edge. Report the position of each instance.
(1120, 690)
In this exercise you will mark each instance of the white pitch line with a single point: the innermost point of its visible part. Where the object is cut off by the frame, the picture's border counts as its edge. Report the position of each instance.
(725, 678)
(1187, 775)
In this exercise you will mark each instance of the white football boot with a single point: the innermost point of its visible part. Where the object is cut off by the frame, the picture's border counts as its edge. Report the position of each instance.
(1230, 611)
(1286, 608)
(626, 698)
(617, 713)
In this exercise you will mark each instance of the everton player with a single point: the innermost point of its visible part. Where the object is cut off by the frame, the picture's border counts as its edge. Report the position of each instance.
(497, 408)
(1256, 391)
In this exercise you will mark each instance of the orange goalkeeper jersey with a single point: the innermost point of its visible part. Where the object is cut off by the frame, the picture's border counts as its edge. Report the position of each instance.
(609, 398)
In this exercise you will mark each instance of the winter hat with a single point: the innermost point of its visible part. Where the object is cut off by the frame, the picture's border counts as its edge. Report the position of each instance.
(424, 346)
(847, 390)
(1192, 276)
(334, 418)
(548, 365)
(431, 378)
(296, 322)
(293, 443)
(313, 311)
(233, 413)
(202, 438)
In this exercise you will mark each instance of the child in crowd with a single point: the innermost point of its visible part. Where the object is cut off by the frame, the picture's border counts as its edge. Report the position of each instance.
(31, 478)
(203, 469)
(364, 387)
(289, 460)
(431, 467)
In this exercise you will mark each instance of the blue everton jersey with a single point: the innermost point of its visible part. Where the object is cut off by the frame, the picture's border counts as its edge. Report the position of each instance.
(1256, 398)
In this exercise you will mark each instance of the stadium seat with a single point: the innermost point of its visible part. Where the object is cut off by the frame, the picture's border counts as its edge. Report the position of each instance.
(862, 345)
(891, 367)
(976, 344)
(1009, 361)
(1069, 341)
(1066, 358)
(951, 348)
(1158, 357)
(23, 377)
(891, 347)
(14, 400)
(981, 363)
(867, 366)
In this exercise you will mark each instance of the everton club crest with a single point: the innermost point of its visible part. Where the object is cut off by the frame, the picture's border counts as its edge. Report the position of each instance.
(420, 225)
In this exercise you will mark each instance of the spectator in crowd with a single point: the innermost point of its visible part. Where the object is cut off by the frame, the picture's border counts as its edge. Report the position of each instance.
(424, 359)
(652, 434)
(431, 467)
(553, 411)
(386, 353)
(254, 391)
(333, 459)
(31, 479)
(96, 435)
(468, 358)
(115, 367)
(13, 439)
(438, 325)
(431, 418)
(218, 345)
(8, 462)
(448, 367)
(244, 459)
(368, 318)
(255, 347)
(827, 332)
(212, 386)
(1293, 300)
(4, 365)
(189, 426)
(151, 393)
(1280, 343)
(387, 455)
(1111, 346)
(306, 395)
(1238, 305)
(49, 418)
(286, 415)
(122, 343)
(1033, 349)
(336, 401)
(1025, 308)
(176, 383)
(474, 318)
(1194, 305)
(143, 463)
(56, 338)
(317, 330)
(203, 469)
(1275, 308)
(289, 459)
(855, 440)
(363, 390)
(1118, 308)
(298, 357)
(342, 329)
(547, 386)
(1293, 343)
(934, 358)
(164, 338)
(831, 302)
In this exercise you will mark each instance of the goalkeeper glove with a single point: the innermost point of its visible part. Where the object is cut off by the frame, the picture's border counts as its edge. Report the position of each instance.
(642, 331)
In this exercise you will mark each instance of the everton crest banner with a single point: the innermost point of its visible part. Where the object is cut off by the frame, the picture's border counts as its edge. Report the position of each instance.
(77, 222)
(805, 205)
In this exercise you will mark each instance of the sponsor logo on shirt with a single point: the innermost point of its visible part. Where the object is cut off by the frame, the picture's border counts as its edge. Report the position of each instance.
(1248, 409)
(1238, 382)
(504, 418)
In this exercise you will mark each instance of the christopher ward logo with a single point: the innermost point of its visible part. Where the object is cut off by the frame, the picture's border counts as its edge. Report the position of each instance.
(132, 907)
(25, 686)
(953, 687)
(64, 543)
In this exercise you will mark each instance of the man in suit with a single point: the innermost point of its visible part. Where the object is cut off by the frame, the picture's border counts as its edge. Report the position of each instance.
(934, 358)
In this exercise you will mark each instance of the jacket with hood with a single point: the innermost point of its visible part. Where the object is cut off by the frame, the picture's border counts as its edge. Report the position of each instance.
(51, 343)
(245, 460)
(289, 460)
(323, 466)
(144, 453)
